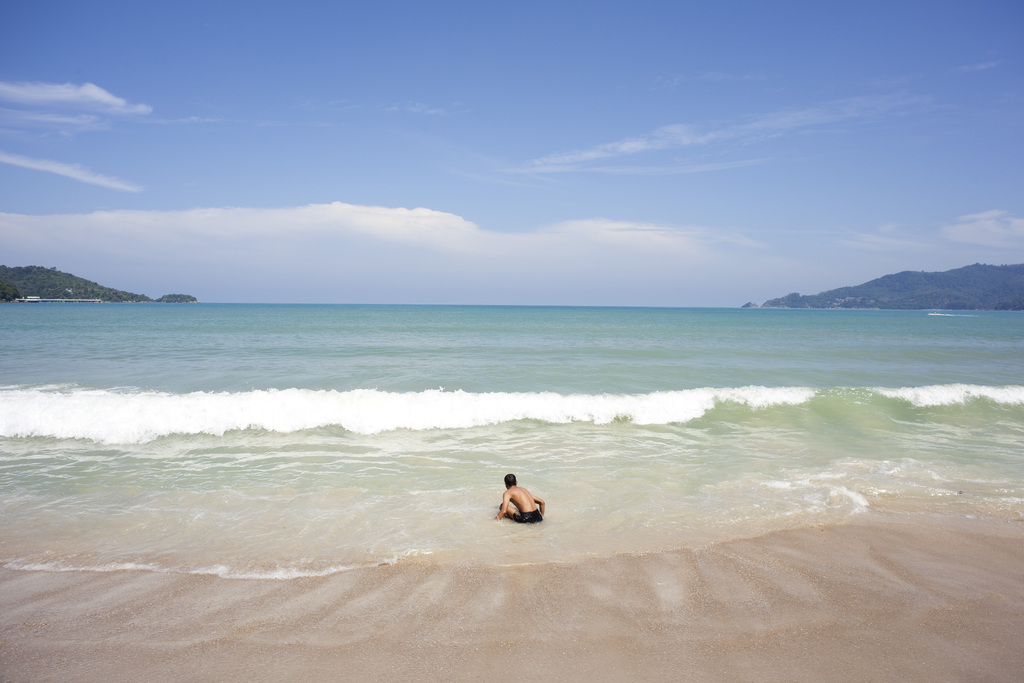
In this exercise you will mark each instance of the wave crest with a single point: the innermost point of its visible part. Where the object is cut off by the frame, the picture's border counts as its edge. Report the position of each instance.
(110, 417)
(953, 394)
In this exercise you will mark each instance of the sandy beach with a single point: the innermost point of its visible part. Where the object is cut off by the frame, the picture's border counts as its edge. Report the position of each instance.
(883, 597)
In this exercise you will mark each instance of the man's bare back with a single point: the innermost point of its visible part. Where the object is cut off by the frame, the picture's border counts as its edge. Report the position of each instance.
(529, 508)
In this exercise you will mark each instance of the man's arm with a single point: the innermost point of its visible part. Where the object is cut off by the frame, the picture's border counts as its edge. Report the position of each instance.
(539, 503)
(505, 498)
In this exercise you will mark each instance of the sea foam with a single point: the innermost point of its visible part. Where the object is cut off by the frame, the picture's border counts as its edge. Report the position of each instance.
(109, 417)
(952, 394)
(223, 571)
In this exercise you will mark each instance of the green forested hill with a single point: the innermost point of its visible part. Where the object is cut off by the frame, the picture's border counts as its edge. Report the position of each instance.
(50, 283)
(8, 292)
(977, 287)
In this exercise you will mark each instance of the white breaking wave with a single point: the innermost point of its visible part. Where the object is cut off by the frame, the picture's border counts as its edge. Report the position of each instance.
(952, 394)
(122, 417)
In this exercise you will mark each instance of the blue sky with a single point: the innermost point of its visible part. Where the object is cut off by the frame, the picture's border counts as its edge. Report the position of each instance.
(593, 153)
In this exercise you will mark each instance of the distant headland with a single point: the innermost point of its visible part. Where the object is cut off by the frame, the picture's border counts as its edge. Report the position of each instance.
(971, 288)
(36, 283)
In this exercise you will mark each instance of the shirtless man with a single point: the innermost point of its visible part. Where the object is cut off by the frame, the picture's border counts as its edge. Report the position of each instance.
(522, 499)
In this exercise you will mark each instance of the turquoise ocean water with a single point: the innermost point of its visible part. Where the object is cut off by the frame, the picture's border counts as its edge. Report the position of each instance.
(296, 440)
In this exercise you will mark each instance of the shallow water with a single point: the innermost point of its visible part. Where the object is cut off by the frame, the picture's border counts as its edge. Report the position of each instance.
(286, 441)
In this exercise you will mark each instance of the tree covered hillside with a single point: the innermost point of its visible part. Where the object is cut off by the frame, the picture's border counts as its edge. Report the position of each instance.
(8, 292)
(977, 287)
(50, 283)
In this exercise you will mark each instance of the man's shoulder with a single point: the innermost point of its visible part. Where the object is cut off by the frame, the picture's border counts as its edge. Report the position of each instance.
(522, 494)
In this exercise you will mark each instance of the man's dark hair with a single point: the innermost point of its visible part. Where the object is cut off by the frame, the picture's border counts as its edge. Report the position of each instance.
(510, 480)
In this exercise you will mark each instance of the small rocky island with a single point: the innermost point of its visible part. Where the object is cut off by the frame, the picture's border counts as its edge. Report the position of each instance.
(37, 284)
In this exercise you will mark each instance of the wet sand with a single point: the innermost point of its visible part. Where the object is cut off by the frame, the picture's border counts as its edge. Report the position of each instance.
(883, 597)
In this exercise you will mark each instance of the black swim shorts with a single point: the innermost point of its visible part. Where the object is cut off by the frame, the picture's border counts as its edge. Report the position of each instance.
(528, 517)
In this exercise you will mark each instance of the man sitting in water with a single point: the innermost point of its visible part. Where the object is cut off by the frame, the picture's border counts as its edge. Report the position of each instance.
(526, 502)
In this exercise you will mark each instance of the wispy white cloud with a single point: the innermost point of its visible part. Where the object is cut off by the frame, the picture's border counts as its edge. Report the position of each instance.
(982, 66)
(669, 82)
(72, 171)
(759, 127)
(23, 119)
(994, 228)
(65, 108)
(84, 96)
(418, 108)
(651, 170)
(666, 137)
(328, 105)
(629, 235)
(720, 76)
(883, 241)
(193, 120)
(649, 237)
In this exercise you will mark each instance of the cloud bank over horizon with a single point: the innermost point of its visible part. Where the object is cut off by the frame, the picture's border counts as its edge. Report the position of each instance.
(345, 253)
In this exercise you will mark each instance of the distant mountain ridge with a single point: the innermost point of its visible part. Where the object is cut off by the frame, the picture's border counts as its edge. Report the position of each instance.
(976, 287)
(50, 283)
